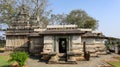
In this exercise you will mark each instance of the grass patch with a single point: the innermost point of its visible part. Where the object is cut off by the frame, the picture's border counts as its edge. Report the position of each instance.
(4, 61)
(115, 64)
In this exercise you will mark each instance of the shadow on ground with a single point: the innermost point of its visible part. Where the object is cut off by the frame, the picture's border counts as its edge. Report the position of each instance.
(33, 57)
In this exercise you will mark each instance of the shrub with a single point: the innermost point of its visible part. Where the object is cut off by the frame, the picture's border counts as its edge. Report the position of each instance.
(19, 57)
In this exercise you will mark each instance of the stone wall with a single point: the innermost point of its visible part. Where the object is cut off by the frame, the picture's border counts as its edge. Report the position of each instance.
(48, 44)
(76, 43)
(36, 45)
(16, 42)
(95, 46)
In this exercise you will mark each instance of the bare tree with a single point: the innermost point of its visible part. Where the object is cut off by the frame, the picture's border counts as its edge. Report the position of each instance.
(9, 8)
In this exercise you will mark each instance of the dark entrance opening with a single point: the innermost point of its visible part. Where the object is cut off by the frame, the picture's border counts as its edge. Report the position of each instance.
(62, 45)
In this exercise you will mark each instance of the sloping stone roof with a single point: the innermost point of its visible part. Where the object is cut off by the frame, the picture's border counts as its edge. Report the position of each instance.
(90, 34)
(74, 31)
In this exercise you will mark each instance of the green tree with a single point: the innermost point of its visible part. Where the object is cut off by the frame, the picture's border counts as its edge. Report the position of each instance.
(82, 19)
(58, 19)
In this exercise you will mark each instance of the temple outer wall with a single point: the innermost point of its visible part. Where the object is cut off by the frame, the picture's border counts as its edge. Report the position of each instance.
(16, 43)
(96, 46)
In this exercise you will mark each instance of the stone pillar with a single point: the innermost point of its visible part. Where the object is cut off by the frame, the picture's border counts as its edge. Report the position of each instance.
(116, 48)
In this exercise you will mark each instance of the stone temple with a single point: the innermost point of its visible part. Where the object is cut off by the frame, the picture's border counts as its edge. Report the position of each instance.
(55, 42)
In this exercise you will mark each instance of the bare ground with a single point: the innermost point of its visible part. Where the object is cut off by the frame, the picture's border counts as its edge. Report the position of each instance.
(94, 62)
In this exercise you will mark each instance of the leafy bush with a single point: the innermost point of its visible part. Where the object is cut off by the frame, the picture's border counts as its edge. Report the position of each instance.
(19, 57)
(108, 46)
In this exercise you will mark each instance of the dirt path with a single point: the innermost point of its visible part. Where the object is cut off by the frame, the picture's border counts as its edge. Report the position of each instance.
(94, 62)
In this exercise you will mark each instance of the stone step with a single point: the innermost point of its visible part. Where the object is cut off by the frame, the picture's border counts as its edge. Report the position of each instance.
(63, 62)
(68, 62)
(62, 59)
(62, 55)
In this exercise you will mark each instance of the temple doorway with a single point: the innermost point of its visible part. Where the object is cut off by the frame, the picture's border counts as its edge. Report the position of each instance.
(62, 45)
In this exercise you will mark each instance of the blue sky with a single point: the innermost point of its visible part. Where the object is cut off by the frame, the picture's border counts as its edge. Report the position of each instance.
(106, 11)
(3, 26)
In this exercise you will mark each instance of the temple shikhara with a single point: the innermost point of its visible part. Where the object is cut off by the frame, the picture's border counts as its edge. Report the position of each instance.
(55, 42)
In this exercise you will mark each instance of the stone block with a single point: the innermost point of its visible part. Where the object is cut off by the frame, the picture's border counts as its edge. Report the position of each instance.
(15, 64)
(92, 50)
(72, 58)
(77, 51)
(45, 57)
(80, 58)
(54, 58)
(47, 50)
(101, 52)
(93, 54)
